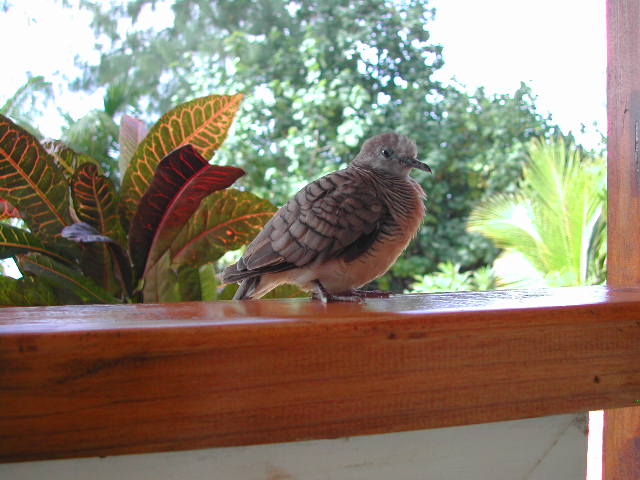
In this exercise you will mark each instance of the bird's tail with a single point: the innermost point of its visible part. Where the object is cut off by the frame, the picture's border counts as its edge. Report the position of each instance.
(247, 288)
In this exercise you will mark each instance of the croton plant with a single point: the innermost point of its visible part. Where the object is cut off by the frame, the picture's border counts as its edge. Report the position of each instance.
(80, 239)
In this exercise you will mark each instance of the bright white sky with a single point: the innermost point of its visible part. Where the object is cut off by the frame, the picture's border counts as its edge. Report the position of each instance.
(557, 46)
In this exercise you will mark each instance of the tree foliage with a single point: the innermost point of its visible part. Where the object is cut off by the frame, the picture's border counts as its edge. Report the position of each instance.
(553, 228)
(449, 278)
(319, 77)
(26, 102)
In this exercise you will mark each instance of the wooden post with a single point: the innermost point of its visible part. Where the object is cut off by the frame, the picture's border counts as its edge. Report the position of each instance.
(622, 426)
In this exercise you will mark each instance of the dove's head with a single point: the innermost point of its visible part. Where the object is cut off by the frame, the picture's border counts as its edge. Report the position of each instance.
(390, 153)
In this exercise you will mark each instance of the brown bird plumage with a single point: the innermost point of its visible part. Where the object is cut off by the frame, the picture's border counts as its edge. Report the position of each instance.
(340, 231)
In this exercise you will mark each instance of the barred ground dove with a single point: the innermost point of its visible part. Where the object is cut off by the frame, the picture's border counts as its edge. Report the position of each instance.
(340, 231)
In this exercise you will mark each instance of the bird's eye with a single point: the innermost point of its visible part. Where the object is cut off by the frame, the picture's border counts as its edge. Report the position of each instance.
(386, 152)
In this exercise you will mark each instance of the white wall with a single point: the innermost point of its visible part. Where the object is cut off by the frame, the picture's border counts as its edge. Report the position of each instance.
(546, 448)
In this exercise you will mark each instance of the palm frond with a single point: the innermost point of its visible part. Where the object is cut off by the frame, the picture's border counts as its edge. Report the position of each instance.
(556, 219)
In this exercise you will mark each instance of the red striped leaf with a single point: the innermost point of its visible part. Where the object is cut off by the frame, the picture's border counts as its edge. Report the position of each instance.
(181, 181)
(32, 182)
(107, 253)
(224, 221)
(67, 158)
(95, 201)
(203, 122)
(15, 241)
(8, 211)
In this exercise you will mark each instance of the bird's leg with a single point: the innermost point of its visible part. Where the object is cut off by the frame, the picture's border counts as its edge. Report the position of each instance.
(324, 296)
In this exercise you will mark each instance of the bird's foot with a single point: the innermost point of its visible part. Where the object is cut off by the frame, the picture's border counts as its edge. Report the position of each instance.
(370, 293)
(353, 295)
(324, 296)
(331, 298)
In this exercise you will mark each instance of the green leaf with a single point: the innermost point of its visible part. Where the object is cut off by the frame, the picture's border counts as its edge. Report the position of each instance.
(287, 291)
(281, 291)
(507, 220)
(107, 254)
(225, 220)
(208, 281)
(160, 282)
(95, 201)
(26, 291)
(189, 287)
(66, 278)
(15, 241)
(203, 122)
(164, 283)
(556, 219)
(97, 263)
(227, 292)
(211, 289)
(28, 102)
(30, 181)
(67, 158)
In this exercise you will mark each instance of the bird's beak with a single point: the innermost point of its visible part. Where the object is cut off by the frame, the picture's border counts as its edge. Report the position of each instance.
(415, 163)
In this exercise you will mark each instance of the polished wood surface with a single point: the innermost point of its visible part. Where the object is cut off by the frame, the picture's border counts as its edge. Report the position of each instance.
(622, 426)
(103, 380)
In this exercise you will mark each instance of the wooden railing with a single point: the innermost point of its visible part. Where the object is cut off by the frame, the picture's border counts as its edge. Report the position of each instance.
(103, 380)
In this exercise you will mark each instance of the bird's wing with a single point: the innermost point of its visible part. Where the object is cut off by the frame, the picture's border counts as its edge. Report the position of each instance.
(336, 215)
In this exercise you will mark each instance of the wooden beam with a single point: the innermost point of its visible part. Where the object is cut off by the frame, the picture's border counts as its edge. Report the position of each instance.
(623, 144)
(105, 380)
(622, 426)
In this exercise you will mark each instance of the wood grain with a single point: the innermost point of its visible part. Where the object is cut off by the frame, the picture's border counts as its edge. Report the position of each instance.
(622, 426)
(104, 380)
(623, 143)
(621, 459)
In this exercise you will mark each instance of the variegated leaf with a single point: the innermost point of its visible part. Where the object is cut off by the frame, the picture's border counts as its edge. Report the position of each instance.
(160, 282)
(203, 122)
(32, 182)
(26, 291)
(66, 278)
(14, 241)
(225, 220)
(109, 260)
(95, 201)
(67, 158)
(182, 180)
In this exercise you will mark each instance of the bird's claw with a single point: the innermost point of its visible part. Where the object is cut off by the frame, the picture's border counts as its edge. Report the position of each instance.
(330, 298)
(371, 293)
(354, 295)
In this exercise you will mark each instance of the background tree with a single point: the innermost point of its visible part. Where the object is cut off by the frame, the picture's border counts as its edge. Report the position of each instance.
(553, 229)
(25, 105)
(319, 77)
(97, 133)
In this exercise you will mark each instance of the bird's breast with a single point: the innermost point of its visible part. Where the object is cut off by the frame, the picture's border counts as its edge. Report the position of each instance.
(407, 213)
